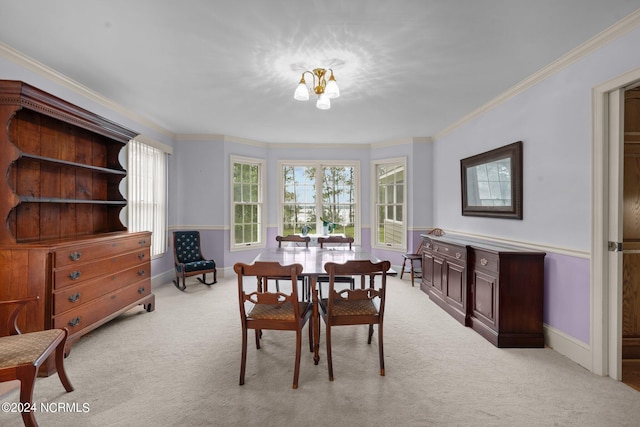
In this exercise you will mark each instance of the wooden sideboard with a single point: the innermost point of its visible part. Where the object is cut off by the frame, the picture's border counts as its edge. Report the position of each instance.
(495, 289)
(61, 236)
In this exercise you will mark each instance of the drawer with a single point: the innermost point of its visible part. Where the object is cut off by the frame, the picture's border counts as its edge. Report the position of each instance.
(450, 250)
(75, 274)
(74, 296)
(94, 311)
(485, 261)
(88, 252)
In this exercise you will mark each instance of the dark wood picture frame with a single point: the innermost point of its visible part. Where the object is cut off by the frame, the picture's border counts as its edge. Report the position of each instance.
(493, 196)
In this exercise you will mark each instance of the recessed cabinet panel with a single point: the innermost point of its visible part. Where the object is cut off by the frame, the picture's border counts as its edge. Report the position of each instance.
(484, 301)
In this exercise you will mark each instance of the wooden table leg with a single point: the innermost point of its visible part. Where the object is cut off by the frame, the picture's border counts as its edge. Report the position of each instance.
(316, 319)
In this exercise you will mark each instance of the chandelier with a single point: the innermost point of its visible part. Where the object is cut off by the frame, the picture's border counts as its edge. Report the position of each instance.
(325, 90)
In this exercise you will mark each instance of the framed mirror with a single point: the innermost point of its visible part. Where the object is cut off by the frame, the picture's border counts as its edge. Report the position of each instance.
(492, 183)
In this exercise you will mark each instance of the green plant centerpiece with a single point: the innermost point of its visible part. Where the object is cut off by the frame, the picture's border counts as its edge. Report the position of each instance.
(327, 226)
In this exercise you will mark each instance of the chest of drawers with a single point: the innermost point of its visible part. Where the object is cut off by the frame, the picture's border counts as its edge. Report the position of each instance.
(82, 284)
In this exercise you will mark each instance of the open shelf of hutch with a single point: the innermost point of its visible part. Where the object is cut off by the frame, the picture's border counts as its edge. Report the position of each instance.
(62, 238)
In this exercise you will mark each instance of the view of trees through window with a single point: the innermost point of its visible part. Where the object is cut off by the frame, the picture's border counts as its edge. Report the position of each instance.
(317, 192)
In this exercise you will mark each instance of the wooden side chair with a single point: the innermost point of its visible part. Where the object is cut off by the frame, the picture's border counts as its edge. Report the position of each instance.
(293, 238)
(364, 306)
(22, 354)
(333, 241)
(188, 258)
(271, 310)
(415, 261)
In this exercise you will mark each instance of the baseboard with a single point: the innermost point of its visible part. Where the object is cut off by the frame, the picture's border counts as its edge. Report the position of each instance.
(568, 346)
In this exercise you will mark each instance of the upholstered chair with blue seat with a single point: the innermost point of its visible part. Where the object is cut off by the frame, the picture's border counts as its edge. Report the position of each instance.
(189, 260)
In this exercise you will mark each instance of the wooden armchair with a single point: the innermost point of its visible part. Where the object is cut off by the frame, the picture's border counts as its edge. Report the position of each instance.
(271, 310)
(22, 354)
(364, 306)
(189, 260)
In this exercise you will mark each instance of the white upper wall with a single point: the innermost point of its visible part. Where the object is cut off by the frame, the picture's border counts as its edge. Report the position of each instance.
(554, 120)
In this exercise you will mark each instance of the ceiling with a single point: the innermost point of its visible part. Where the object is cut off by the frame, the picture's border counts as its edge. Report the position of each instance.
(405, 68)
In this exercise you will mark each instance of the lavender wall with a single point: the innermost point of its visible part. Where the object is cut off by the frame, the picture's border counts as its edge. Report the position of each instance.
(567, 295)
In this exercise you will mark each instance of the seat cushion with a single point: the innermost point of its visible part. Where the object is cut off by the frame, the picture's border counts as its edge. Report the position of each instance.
(361, 307)
(282, 311)
(25, 348)
(198, 265)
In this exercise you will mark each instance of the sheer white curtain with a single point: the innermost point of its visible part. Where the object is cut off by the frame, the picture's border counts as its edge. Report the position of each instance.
(147, 193)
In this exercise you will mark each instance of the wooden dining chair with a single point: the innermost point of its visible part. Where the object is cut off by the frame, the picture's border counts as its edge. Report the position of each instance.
(364, 306)
(22, 354)
(263, 310)
(335, 241)
(294, 238)
(415, 261)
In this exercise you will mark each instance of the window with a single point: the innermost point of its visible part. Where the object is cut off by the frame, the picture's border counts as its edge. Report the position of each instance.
(247, 210)
(311, 191)
(390, 211)
(147, 192)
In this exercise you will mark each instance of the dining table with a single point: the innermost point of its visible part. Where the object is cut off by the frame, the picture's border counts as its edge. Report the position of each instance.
(313, 260)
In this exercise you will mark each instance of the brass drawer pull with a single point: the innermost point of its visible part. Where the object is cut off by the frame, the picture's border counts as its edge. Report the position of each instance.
(141, 273)
(483, 261)
(142, 242)
(141, 290)
(458, 255)
(75, 256)
(75, 297)
(74, 275)
(74, 322)
(436, 248)
(140, 256)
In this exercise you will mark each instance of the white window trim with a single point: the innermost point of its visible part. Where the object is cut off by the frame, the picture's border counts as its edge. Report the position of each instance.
(262, 202)
(374, 202)
(318, 164)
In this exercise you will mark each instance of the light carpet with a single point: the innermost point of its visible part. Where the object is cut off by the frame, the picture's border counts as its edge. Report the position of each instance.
(179, 366)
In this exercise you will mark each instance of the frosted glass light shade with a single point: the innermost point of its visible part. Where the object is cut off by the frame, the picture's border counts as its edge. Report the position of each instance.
(324, 103)
(301, 93)
(332, 90)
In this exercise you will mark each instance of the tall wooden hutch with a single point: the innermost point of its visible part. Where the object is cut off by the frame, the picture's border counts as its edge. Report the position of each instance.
(60, 201)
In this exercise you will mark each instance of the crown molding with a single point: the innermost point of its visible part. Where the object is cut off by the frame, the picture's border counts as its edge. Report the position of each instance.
(630, 22)
(42, 70)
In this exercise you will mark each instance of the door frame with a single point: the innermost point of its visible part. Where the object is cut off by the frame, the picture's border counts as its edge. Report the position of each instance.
(606, 267)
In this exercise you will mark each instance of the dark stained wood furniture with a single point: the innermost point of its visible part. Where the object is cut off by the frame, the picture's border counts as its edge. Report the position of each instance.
(62, 239)
(340, 242)
(364, 306)
(495, 289)
(271, 310)
(413, 258)
(22, 354)
(313, 260)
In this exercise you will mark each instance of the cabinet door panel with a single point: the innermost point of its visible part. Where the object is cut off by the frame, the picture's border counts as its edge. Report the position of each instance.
(456, 284)
(438, 270)
(484, 291)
